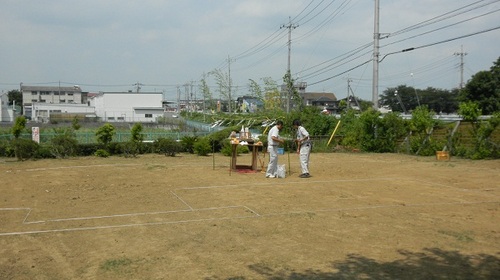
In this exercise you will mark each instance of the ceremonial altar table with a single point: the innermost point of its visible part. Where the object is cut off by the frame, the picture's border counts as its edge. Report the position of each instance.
(254, 149)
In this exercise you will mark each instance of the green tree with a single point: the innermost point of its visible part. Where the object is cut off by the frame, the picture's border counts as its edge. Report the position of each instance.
(16, 97)
(272, 99)
(223, 81)
(75, 123)
(421, 125)
(255, 89)
(23, 148)
(437, 100)
(208, 102)
(105, 134)
(484, 88)
(292, 97)
(19, 126)
(136, 135)
(481, 132)
(469, 111)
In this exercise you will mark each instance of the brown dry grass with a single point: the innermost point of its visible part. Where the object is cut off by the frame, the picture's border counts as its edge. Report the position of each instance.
(361, 216)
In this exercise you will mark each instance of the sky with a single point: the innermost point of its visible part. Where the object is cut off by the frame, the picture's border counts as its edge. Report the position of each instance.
(164, 45)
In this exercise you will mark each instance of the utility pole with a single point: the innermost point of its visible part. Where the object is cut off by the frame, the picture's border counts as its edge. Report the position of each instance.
(376, 54)
(461, 54)
(186, 94)
(290, 26)
(229, 83)
(349, 93)
(178, 100)
(138, 86)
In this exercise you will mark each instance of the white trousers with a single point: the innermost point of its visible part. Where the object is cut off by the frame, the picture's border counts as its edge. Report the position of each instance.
(272, 167)
(305, 151)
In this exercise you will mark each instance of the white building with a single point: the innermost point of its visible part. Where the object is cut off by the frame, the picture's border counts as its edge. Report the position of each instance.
(41, 112)
(51, 95)
(128, 106)
(6, 112)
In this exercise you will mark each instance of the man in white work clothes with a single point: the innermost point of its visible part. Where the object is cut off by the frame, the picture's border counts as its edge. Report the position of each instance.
(304, 146)
(273, 141)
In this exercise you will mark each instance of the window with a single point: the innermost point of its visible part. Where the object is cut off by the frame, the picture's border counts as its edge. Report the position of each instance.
(111, 118)
(149, 115)
(34, 93)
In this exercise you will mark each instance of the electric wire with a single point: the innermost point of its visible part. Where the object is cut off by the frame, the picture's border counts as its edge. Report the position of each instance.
(441, 17)
(310, 3)
(441, 42)
(441, 28)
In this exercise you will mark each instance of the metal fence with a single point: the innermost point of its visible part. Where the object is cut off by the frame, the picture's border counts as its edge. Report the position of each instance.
(90, 137)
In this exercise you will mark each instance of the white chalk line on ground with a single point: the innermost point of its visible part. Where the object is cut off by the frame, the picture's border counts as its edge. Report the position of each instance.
(105, 165)
(255, 214)
(382, 206)
(76, 166)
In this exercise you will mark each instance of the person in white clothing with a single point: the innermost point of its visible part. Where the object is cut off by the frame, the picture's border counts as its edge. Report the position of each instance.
(304, 146)
(273, 141)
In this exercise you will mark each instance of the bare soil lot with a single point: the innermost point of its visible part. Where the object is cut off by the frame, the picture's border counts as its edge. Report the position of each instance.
(360, 216)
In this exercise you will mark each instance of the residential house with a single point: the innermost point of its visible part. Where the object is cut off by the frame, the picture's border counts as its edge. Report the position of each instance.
(249, 104)
(326, 101)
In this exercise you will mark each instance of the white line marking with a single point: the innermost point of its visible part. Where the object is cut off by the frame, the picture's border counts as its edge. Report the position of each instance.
(246, 217)
(182, 200)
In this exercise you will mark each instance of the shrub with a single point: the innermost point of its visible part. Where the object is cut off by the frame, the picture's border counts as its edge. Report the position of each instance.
(167, 146)
(6, 149)
(63, 146)
(19, 126)
(44, 151)
(114, 148)
(217, 139)
(227, 148)
(136, 133)
(102, 153)
(24, 148)
(130, 148)
(105, 134)
(188, 143)
(87, 149)
(202, 147)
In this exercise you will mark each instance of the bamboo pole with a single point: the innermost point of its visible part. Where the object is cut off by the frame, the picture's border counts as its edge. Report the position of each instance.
(331, 137)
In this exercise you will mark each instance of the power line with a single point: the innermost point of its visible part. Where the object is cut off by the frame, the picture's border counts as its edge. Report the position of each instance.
(441, 17)
(442, 42)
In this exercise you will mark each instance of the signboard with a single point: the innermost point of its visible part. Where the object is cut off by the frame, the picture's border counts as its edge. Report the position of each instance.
(35, 134)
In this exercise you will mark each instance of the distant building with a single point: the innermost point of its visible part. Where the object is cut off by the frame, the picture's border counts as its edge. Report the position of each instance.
(50, 95)
(128, 106)
(249, 104)
(326, 101)
(6, 112)
(49, 112)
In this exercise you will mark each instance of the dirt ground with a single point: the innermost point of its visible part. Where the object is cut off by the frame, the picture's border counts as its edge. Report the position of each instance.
(360, 216)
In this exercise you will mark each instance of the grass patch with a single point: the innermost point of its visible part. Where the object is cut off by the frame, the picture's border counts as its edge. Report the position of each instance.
(116, 264)
(460, 236)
